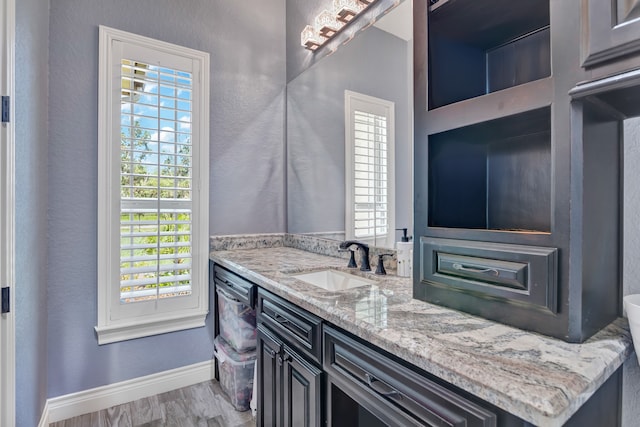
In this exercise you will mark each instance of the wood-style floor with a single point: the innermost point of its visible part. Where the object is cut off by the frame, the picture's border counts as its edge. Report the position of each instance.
(202, 404)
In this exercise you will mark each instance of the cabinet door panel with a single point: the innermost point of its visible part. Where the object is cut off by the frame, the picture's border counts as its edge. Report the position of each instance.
(611, 29)
(269, 379)
(302, 392)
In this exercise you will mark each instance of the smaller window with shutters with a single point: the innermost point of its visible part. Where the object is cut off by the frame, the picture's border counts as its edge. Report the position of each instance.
(369, 169)
(153, 187)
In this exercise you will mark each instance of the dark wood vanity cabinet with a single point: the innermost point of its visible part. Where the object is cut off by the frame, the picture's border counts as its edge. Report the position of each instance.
(365, 387)
(517, 182)
(290, 378)
(311, 373)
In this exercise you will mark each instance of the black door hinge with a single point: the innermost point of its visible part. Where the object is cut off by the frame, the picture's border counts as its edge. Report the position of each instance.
(6, 114)
(6, 307)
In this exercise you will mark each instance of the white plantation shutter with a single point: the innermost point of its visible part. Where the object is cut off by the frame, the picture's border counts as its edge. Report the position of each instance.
(156, 182)
(153, 182)
(369, 142)
(370, 181)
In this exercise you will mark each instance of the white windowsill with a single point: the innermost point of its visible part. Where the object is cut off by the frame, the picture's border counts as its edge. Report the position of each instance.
(132, 329)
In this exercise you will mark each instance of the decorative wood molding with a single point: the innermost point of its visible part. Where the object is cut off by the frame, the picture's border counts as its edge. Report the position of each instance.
(609, 30)
(618, 81)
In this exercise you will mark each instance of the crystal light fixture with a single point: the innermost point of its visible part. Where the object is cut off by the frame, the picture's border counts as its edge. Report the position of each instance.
(310, 38)
(327, 24)
(346, 10)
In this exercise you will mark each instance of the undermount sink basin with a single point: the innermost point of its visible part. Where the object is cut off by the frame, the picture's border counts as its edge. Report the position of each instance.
(333, 280)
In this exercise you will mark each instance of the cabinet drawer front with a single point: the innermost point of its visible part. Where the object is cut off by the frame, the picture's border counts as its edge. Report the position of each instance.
(503, 273)
(236, 286)
(525, 275)
(405, 390)
(299, 328)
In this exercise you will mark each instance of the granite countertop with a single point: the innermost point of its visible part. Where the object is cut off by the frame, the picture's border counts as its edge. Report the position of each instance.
(539, 379)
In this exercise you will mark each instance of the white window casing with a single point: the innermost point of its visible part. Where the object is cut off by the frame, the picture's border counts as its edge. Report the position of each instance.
(153, 173)
(369, 169)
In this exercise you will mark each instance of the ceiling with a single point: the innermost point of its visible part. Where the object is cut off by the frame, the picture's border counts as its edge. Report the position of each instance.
(399, 21)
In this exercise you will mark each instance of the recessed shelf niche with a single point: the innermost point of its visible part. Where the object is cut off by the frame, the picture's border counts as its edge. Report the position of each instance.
(479, 47)
(495, 175)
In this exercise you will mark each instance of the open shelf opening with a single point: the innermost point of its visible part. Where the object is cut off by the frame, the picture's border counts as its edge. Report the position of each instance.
(494, 175)
(479, 47)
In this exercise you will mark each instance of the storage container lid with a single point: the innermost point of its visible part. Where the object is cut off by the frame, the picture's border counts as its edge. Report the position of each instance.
(225, 352)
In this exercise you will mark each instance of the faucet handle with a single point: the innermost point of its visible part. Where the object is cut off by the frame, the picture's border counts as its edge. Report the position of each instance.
(380, 268)
(352, 259)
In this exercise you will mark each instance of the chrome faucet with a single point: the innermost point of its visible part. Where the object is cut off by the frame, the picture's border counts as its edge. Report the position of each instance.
(364, 251)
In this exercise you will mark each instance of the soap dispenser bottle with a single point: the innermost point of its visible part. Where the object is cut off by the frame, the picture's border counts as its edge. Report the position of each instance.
(404, 249)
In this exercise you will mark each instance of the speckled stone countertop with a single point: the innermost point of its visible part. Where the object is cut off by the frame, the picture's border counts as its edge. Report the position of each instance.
(539, 379)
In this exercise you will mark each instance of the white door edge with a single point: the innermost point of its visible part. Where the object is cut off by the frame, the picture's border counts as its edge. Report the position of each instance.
(7, 216)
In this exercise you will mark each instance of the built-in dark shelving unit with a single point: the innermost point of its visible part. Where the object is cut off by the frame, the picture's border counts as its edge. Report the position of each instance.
(493, 175)
(517, 161)
(477, 48)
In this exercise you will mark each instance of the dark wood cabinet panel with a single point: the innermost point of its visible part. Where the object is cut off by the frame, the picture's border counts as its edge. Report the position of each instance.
(476, 48)
(298, 328)
(392, 392)
(515, 274)
(509, 151)
(302, 392)
(236, 286)
(269, 379)
(610, 30)
(289, 382)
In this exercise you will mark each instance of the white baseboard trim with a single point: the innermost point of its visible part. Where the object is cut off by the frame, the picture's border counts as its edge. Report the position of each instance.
(44, 419)
(86, 401)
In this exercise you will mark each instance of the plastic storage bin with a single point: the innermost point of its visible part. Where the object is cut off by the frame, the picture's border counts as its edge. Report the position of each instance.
(236, 373)
(237, 322)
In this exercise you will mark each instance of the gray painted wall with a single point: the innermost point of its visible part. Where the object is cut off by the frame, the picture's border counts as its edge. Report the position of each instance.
(246, 43)
(32, 32)
(374, 63)
(631, 266)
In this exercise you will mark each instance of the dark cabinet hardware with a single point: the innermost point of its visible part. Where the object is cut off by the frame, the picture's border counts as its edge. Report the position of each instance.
(283, 358)
(280, 319)
(472, 269)
(381, 388)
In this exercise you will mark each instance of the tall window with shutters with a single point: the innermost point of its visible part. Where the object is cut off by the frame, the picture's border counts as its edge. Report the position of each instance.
(153, 176)
(369, 169)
